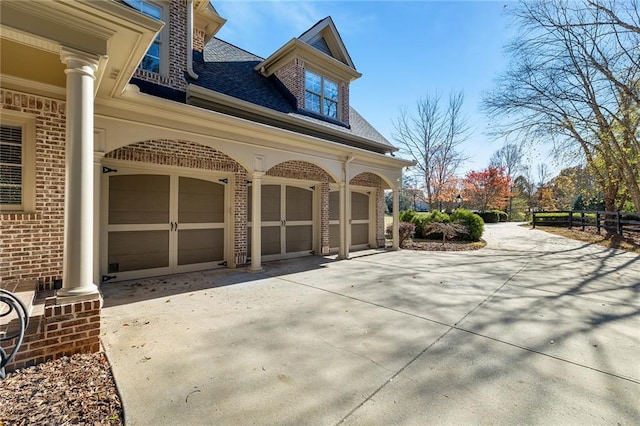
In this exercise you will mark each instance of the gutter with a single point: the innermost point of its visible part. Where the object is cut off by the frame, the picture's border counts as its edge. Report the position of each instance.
(190, 71)
(212, 97)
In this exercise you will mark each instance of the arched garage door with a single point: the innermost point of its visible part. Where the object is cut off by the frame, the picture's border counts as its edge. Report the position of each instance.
(287, 221)
(360, 219)
(159, 223)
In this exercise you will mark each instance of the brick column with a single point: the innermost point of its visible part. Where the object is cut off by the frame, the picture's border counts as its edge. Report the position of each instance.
(77, 271)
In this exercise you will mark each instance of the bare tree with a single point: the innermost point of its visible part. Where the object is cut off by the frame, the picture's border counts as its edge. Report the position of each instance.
(574, 81)
(509, 157)
(431, 135)
(543, 175)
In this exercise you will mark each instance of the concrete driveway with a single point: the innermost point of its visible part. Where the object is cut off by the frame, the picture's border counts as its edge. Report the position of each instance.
(532, 329)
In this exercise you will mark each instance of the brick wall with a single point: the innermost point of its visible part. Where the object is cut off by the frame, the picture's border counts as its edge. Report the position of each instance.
(174, 33)
(31, 244)
(63, 330)
(375, 181)
(198, 39)
(292, 77)
(344, 93)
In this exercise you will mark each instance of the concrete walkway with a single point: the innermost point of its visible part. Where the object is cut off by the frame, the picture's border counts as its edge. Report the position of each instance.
(532, 329)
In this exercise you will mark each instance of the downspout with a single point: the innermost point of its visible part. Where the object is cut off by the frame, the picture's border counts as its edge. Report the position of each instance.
(190, 71)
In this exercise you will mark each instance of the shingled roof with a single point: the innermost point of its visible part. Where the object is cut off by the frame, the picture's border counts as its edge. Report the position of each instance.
(229, 70)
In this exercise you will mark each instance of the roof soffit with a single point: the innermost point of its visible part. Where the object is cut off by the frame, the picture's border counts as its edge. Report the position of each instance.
(116, 33)
(206, 18)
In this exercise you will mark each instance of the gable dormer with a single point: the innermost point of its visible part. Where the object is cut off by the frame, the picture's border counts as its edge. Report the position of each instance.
(317, 69)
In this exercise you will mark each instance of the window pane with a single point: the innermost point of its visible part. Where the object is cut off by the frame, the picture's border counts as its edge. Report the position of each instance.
(330, 108)
(330, 90)
(10, 153)
(313, 82)
(312, 102)
(150, 63)
(154, 50)
(10, 175)
(151, 10)
(10, 195)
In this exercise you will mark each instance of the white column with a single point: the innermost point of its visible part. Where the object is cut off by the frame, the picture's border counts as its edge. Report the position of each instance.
(343, 251)
(396, 219)
(77, 273)
(256, 222)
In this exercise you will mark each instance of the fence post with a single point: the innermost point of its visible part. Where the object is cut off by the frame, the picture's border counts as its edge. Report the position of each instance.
(618, 223)
(570, 219)
(582, 219)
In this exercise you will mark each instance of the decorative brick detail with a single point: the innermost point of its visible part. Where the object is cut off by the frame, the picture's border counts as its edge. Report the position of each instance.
(31, 244)
(176, 37)
(300, 170)
(63, 330)
(375, 181)
(176, 153)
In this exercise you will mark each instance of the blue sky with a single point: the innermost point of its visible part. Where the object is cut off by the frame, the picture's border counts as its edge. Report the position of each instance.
(404, 50)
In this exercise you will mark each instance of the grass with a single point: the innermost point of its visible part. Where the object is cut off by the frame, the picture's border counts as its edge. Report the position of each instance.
(615, 241)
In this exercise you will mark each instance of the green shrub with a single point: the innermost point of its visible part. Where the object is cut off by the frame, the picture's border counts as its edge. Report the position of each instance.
(422, 222)
(473, 222)
(519, 216)
(493, 216)
(407, 215)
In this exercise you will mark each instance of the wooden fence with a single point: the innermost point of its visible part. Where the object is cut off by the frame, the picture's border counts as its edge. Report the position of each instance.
(616, 222)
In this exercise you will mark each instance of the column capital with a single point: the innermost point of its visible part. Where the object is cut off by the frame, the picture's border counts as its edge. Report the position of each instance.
(257, 175)
(78, 60)
(98, 157)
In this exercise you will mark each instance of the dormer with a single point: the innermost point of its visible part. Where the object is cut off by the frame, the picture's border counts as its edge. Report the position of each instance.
(206, 23)
(317, 69)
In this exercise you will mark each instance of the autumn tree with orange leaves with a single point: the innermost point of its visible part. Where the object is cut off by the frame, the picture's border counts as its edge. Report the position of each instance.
(487, 189)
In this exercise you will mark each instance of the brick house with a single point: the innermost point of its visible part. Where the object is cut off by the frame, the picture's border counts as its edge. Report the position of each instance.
(135, 143)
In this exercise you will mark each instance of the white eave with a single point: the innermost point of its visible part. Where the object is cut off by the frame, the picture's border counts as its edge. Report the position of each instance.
(287, 121)
(296, 48)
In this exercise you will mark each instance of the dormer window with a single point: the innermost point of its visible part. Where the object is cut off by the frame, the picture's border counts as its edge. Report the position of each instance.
(321, 95)
(153, 59)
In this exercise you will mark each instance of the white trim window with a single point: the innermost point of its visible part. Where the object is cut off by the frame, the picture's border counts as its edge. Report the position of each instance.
(154, 60)
(17, 162)
(320, 95)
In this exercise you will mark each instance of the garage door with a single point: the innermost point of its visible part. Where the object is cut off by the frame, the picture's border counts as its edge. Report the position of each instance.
(287, 221)
(360, 223)
(162, 224)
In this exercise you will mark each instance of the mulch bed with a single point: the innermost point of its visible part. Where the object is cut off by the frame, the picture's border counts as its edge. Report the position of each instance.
(432, 245)
(71, 390)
